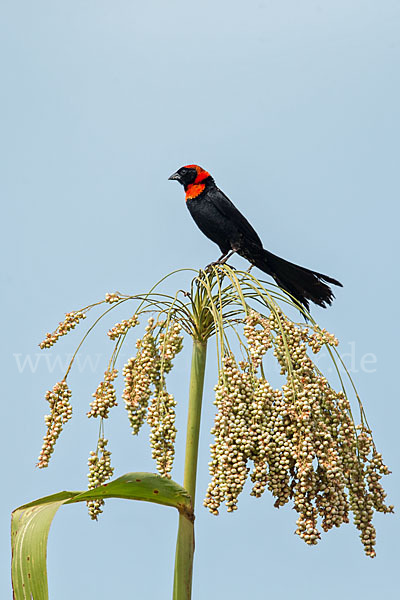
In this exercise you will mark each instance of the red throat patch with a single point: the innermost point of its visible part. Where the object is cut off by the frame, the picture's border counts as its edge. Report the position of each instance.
(194, 189)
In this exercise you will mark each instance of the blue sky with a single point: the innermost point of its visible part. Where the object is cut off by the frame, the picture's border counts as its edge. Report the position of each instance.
(293, 107)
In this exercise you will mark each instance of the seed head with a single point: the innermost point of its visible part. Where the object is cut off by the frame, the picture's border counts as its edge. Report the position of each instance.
(100, 470)
(60, 412)
(122, 328)
(70, 322)
(301, 439)
(105, 396)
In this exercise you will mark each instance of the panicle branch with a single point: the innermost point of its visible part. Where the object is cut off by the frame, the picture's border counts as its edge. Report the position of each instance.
(70, 322)
(60, 412)
(105, 396)
(147, 371)
(100, 470)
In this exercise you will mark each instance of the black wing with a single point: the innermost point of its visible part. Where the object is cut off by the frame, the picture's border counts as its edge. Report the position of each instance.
(232, 214)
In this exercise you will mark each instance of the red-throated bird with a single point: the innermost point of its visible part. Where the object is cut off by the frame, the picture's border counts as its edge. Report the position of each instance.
(220, 220)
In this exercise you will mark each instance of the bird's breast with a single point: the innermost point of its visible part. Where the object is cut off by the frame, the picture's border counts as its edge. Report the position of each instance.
(210, 221)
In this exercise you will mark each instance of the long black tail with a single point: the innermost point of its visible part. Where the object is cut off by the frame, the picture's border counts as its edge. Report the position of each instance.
(300, 282)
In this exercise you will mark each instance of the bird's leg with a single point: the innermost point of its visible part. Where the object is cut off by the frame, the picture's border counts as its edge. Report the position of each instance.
(222, 259)
(250, 268)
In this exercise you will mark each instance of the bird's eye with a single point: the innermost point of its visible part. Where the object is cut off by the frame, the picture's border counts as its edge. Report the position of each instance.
(183, 171)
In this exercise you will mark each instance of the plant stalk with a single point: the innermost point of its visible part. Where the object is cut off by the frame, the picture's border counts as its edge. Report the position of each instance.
(185, 540)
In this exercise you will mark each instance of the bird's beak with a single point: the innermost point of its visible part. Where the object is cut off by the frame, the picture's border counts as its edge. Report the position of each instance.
(174, 176)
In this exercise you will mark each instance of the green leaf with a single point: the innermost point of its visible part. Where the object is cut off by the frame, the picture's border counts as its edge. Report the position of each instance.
(30, 524)
(141, 486)
(29, 531)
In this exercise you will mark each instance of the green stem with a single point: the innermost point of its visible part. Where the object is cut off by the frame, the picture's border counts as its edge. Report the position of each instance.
(185, 540)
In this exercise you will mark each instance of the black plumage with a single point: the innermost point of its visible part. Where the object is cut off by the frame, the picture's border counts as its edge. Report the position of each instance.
(219, 219)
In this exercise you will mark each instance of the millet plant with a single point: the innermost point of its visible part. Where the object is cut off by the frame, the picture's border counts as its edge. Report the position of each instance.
(300, 441)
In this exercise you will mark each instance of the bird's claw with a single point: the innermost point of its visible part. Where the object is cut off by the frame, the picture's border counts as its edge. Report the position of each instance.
(216, 263)
(212, 264)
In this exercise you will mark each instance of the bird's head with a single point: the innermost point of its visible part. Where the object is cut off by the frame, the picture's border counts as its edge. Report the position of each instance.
(190, 175)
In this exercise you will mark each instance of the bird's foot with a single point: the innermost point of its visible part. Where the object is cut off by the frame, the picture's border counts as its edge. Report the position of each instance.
(212, 264)
(216, 263)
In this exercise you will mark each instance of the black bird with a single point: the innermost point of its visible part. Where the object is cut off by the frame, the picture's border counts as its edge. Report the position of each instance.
(224, 224)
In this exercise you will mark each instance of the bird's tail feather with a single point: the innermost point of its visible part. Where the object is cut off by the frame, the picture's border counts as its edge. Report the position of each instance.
(303, 284)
